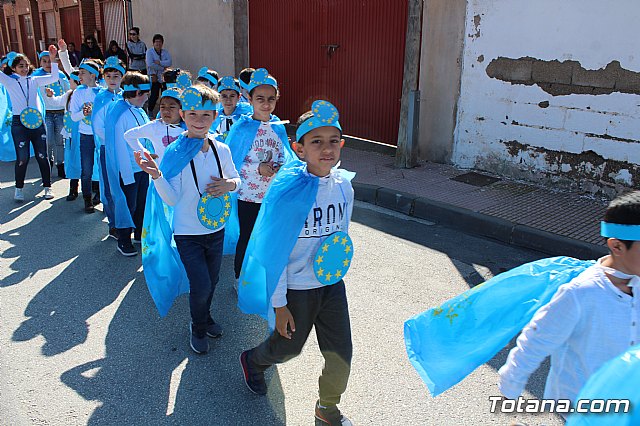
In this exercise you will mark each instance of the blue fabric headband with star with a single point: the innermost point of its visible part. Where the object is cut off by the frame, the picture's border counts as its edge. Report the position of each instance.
(191, 100)
(112, 62)
(85, 66)
(74, 77)
(324, 114)
(620, 232)
(228, 83)
(43, 54)
(132, 88)
(261, 77)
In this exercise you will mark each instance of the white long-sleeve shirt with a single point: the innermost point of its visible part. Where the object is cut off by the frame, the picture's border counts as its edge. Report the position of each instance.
(23, 91)
(80, 97)
(180, 191)
(66, 63)
(331, 213)
(158, 132)
(588, 322)
(53, 103)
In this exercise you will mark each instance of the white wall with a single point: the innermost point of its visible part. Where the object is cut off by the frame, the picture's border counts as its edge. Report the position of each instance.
(492, 112)
(197, 33)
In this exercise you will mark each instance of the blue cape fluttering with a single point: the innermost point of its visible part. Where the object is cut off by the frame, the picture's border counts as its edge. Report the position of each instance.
(102, 100)
(117, 152)
(163, 270)
(72, 165)
(448, 342)
(7, 150)
(284, 210)
(616, 379)
(240, 138)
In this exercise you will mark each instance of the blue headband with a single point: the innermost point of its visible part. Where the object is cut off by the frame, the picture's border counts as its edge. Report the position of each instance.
(113, 63)
(228, 83)
(43, 54)
(74, 77)
(85, 66)
(621, 232)
(244, 85)
(204, 74)
(171, 93)
(324, 114)
(191, 100)
(132, 88)
(261, 77)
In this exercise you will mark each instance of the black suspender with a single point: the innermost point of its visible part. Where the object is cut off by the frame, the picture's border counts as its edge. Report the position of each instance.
(193, 167)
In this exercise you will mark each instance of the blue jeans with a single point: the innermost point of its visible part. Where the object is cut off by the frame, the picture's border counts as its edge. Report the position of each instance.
(87, 153)
(55, 144)
(107, 200)
(201, 256)
(136, 195)
(21, 138)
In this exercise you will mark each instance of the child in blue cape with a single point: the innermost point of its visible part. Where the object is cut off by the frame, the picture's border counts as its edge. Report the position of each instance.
(194, 177)
(259, 146)
(160, 132)
(127, 182)
(298, 254)
(81, 108)
(590, 320)
(229, 109)
(28, 117)
(113, 73)
(54, 118)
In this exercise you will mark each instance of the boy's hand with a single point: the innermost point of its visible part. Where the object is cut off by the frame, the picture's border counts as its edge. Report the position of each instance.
(284, 319)
(146, 163)
(49, 92)
(62, 45)
(220, 186)
(87, 108)
(53, 52)
(266, 169)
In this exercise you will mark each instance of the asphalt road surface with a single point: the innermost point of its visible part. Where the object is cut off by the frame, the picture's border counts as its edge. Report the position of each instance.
(82, 343)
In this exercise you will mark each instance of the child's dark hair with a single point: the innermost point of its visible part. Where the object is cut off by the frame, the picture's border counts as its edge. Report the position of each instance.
(113, 69)
(624, 210)
(8, 69)
(133, 78)
(207, 93)
(213, 73)
(158, 37)
(245, 75)
(304, 117)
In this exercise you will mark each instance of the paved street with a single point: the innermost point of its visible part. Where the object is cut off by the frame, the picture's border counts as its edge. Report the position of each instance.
(81, 341)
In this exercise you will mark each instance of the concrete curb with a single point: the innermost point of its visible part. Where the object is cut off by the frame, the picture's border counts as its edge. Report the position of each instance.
(472, 222)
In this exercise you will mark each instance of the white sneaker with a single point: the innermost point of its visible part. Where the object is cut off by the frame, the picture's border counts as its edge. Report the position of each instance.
(48, 194)
(19, 195)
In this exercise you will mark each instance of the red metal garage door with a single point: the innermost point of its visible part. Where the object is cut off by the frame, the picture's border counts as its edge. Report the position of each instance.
(346, 51)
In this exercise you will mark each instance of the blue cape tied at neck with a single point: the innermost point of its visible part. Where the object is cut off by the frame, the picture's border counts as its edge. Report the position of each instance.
(118, 162)
(284, 210)
(240, 138)
(448, 342)
(165, 275)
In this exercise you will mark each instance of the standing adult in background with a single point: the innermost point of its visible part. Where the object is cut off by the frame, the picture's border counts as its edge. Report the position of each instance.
(115, 50)
(90, 49)
(158, 59)
(137, 51)
(74, 55)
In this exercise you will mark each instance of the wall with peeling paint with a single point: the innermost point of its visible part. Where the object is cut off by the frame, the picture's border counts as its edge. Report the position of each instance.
(549, 92)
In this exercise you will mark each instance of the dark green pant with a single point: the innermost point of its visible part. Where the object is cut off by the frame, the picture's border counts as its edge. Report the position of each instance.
(326, 309)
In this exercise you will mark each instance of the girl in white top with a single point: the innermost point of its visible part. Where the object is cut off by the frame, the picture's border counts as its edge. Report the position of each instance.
(28, 117)
(160, 132)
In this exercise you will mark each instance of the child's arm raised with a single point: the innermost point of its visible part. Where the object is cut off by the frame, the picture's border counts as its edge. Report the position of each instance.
(133, 136)
(166, 189)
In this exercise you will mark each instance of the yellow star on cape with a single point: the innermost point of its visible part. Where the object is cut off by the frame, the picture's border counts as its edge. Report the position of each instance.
(338, 273)
(336, 239)
(347, 249)
(144, 232)
(319, 260)
(320, 272)
(201, 209)
(344, 241)
(325, 248)
(437, 311)
(328, 276)
(345, 262)
(245, 283)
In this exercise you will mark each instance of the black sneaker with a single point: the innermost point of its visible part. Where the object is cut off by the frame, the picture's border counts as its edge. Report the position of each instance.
(214, 330)
(96, 199)
(330, 415)
(252, 378)
(127, 250)
(113, 233)
(200, 345)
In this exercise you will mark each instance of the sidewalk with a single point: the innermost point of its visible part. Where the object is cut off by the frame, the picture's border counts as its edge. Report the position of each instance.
(557, 223)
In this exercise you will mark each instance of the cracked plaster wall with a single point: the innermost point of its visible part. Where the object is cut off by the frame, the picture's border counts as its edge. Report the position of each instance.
(549, 93)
